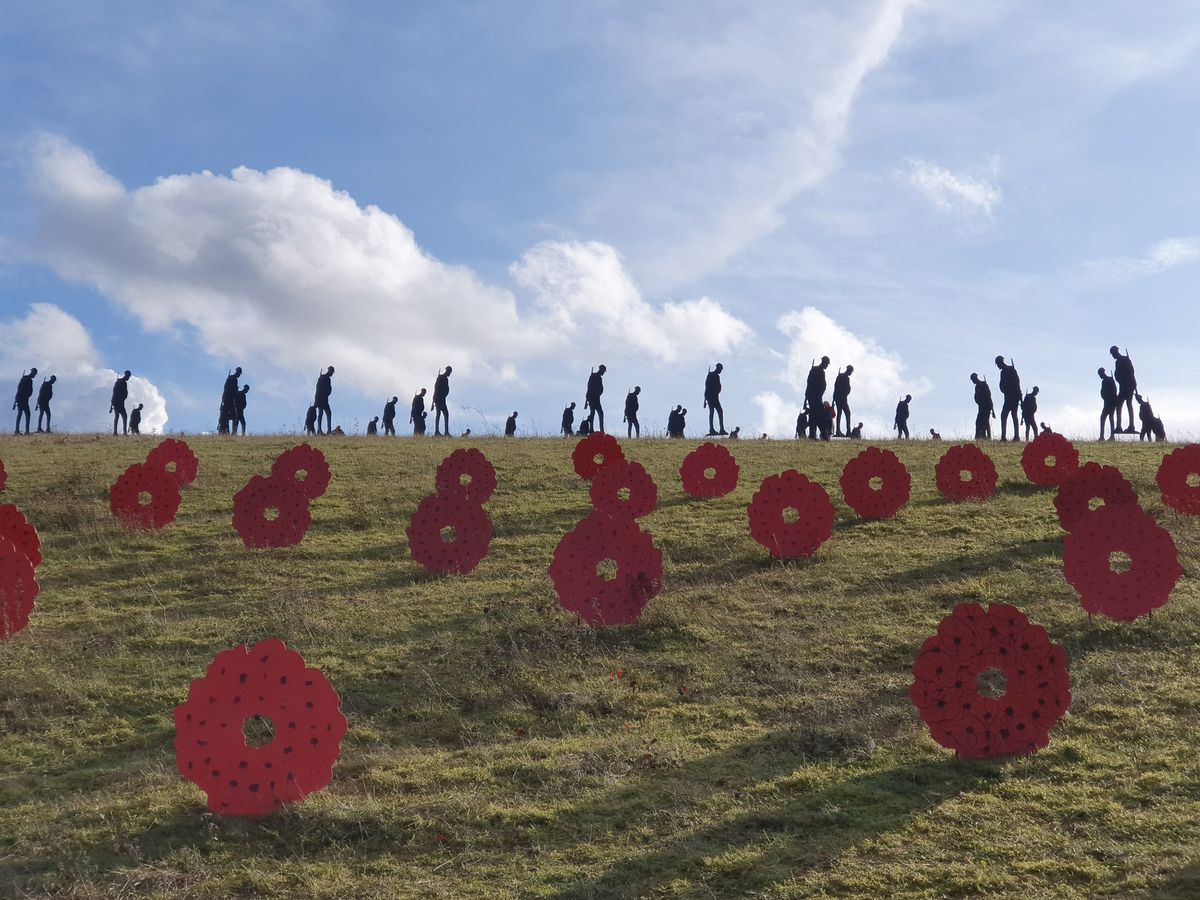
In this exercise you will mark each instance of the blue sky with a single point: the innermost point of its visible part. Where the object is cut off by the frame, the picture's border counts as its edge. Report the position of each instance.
(526, 189)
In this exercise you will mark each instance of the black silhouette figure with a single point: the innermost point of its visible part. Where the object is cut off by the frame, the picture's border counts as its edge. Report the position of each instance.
(856, 432)
(389, 415)
(45, 393)
(1046, 429)
(733, 435)
(373, 426)
(631, 410)
(825, 425)
(802, 423)
(1126, 385)
(441, 390)
(900, 423)
(591, 401)
(584, 429)
(1029, 412)
(120, 393)
(424, 417)
(1152, 425)
(1010, 390)
(675, 422)
(466, 433)
(712, 399)
(228, 411)
(321, 401)
(1108, 395)
(21, 400)
(310, 420)
(814, 395)
(841, 405)
(934, 436)
(986, 410)
(338, 431)
(239, 409)
(416, 414)
(510, 425)
(135, 419)
(568, 420)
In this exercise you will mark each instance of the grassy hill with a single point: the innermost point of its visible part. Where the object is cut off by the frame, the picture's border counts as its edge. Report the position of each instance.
(752, 735)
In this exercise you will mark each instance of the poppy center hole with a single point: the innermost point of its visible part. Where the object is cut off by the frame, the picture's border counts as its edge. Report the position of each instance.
(991, 683)
(875, 483)
(606, 569)
(791, 515)
(271, 513)
(171, 466)
(1119, 561)
(623, 494)
(144, 498)
(598, 459)
(1193, 479)
(301, 474)
(464, 479)
(258, 731)
(966, 475)
(710, 473)
(1095, 503)
(1051, 461)
(449, 535)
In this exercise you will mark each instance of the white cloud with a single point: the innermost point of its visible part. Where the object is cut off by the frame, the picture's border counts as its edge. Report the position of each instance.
(56, 343)
(1166, 254)
(955, 193)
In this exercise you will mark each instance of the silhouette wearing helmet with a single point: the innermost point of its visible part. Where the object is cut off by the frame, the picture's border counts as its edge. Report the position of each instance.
(1108, 395)
(595, 387)
(321, 401)
(416, 413)
(1126, 385)
(441, 390)
(900, 423)
(21, 399)
(712, 399)
(1029, 412)
(814, 396)
(568, 420)
(985, 409)
(389, 415)
(1010, 390)
(631, 410)
(135, 419)
(841, 401)
(239, 409)
(45, 393)
(510, 425)
(120, 393)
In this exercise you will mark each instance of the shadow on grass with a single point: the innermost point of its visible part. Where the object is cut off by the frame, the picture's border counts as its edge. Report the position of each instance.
(1184, 883)
(968, 566)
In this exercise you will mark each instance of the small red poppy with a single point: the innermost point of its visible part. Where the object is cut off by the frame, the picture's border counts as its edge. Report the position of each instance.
(594, 452)
(880, 502)
(470, 523)
(472, 465)
(1174, 474)
(969, 459)
(705, 458)
(607, 484)
(19, 530)
(252, 503)
(1016, 716)
(161, 489)
(598, 600)
(812, 526)
(1091, 481)
(18, 588)
(176, 459)
(1049, 445)
(270, 682)
(1153, 562)
(310, 461)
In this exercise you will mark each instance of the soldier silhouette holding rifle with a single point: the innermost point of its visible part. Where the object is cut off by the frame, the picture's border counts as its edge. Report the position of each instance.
(814, 396)
(21, 399)
(389, 415)
(321, 401)
(591, 401)
(901, 420)
(631, 410)
(441, 390)
(841, 400)
(1029, 412)
(568, 420)
(1126, 385)
(1010, 390)
(45, 393)
(985, 409)
(416, 414)
(712, 399)
(116, 406)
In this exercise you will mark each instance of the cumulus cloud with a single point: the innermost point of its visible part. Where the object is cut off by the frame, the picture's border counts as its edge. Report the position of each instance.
(1166, 254)
(954, 192)
(56, 343)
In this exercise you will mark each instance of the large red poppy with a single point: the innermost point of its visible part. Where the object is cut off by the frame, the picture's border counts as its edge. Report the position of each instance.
(1091, 481)
(879, 502)
(254, 503)
(769, 519)
(176, 459)
(469, 472)
(1153, 562)
(466, 547)
(1049, 459)
(598, 600)
(18, 588)
(709, 457)
(607, 484)
(307, 460)
(271, 682)
(160, 489)
(19, 530)
(594, 452)
(1175, 473)
(1015, 717)
(965, 459)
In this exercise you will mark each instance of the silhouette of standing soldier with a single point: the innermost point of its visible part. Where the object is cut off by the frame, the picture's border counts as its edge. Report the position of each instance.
(1108, 394)
(21, 400)
(416, 415)
(389, 415)
(814, 396)
(986, 409)
(45, 393)
(712, 399)
(441, 390)
(135, 419)
(373, 426)
(510, 425)
(321, 401)
(675, 422)
(1010, 390)
(841, 394)
(120, 393)
(595, 387)
(239, 409)
(310, 420)
(1126, 384)
(631, 410)
(901, 421)
(568, 420)
(1029, 412)
(228, 403)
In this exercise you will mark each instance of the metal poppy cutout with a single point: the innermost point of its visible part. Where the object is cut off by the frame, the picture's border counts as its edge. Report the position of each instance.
(1038, 453)
(770, 525)
(271, 512)
(1175, 475)
(885, 500)
(176, 459)
(970, 460)
(18, 588)
(594, 452)
(307, 460)
(705, 458)
(459, 551)
(16, 528)
(607, 485)
(467, 471)
(160, 489)
(1091, 481)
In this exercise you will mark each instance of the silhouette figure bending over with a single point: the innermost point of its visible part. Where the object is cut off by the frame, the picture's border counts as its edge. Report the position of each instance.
(441, 390)
(901, 421)
(934, 436)
(712, 399)
(21, 399)
(45, 393)
(631, 410)
(1029, 412)
(841, 404)
(591, 401)
(1152, 425)
(321, 401)
(120, 393)
(1126, 385)
(733, 435)
(1108, 395)
(239, 409)
(373, 426)
(1010, 390)
(135, 419)
(310, 420)
(568, 420)
(510, 425)
(814, 395)
(416, 414)
(856, 432)
(985, 409)
(389, 415)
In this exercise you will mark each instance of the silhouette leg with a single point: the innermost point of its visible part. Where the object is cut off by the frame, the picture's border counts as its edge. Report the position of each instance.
(599, 410)
(720, 419)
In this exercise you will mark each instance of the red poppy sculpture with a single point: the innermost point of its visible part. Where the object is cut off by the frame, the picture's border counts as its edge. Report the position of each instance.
(790, 515)
(449, 533)
(18, 588)
(1125, 538)
(270, 682)
(16, 528)
(1049, 459)
(628, 478)
(176, 459)
(145, 497)
(1029, 688)
(271, 512)
(1179, 479)
(1091, 481)
(584, 590)
(469, 472)
(307, 461)
(968, 460)
(709, 458)
(863, 495)
(594, 452)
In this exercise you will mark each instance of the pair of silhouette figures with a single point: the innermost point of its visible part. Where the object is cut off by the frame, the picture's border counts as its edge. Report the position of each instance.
(25, 393)
(232, 415)
(1019, 407)
(132, 421)
(819, 418)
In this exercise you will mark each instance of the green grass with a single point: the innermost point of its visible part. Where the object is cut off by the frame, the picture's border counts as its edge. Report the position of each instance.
(759, 742)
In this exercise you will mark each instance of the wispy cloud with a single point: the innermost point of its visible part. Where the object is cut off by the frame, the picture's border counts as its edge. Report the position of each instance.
(1166, 254)
(956, 193)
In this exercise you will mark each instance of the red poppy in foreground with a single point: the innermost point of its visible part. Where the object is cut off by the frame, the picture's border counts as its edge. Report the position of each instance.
(271, 512)
(969, 460)
(871, 501)
(1129, 538)
(1179, 479)
(598, 599)
(1024, 692)
(19, 530)
(594, 452)
(176, 459)
(145, 497)
(307, 461)
(1091, 481)
(709, 457)
(266, 681)
(608, 483)
(449, 533)
(18, 588)
(469, 472)
(790, 515)
(1049, 459)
